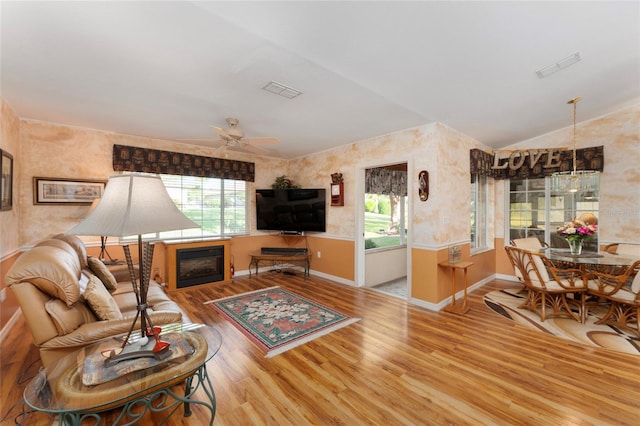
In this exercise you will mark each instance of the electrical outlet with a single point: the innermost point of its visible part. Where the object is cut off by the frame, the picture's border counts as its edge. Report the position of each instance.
(3, 295)
(319, 254)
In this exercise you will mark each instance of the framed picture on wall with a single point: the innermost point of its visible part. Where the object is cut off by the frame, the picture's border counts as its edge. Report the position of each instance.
(66, 191)
(6, 180)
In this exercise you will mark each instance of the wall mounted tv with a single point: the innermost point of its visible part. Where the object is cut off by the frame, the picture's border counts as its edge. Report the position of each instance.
(291, 210)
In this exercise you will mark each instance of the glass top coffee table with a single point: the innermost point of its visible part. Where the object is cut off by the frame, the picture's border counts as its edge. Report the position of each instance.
(76, 388)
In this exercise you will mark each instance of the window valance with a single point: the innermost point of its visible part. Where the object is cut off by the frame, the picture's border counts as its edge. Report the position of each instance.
(135, 159)
(535, 163)
(385, 181)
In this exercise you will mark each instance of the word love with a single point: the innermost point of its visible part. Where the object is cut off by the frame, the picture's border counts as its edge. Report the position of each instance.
(518, 157)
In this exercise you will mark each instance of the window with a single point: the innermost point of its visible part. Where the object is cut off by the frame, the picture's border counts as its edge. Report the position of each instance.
(219, 206)
(385, 221)
(478, 206)
(537, 211)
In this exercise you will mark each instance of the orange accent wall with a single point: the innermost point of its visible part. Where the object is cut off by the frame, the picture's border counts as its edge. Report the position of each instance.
(338, 257)
(432, 283)
(503, 266)
(426, 283)
(484, 266)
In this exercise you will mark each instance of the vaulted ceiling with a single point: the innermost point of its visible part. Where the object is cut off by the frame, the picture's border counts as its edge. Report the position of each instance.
(171, 69)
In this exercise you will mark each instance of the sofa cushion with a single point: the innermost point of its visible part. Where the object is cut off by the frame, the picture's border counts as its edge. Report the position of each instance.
(102, 272)
(68, 319)
(52, 270)
(53, 242)
(100, 301)
(77, 245)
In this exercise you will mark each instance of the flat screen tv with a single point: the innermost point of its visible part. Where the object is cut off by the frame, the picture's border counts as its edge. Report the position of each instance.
(291, 210)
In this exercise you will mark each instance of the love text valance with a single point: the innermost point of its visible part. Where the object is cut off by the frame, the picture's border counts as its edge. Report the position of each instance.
(534, 163)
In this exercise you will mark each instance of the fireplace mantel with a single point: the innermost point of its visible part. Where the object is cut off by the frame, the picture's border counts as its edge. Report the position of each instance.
(172, 255)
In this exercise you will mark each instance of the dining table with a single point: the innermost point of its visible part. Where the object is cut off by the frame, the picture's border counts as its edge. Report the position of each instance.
(601, 261)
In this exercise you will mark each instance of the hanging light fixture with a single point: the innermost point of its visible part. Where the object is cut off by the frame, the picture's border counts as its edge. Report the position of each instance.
(575, 180)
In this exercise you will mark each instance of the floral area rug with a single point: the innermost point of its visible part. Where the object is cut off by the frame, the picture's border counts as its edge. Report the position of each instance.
(506, 302)
(277, 320)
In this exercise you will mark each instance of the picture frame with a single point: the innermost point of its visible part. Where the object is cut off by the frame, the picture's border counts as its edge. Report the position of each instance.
(61, 191)
(6, 180)
(337, 194)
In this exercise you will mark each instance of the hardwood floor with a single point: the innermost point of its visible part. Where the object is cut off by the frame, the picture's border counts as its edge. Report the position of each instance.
(399, 365)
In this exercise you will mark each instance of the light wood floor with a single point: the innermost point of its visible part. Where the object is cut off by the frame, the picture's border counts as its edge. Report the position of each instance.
(399, 365)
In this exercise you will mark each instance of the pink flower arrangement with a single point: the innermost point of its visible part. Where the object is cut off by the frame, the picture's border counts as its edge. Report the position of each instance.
(577, 230)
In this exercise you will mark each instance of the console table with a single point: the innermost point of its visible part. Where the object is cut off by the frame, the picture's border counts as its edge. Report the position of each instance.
(59, 389)
(275, 257)
(453, 308)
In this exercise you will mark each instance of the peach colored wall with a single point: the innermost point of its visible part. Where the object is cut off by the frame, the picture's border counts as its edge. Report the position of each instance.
(619, 133)
(68, 152)
(435, 224)
(9, 219)
(62, 151)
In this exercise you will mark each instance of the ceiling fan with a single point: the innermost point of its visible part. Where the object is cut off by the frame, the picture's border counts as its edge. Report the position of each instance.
(233, 137)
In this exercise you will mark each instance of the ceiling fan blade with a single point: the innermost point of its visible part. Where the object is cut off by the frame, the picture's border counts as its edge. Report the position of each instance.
(261, 141)
(220, 149)
(201, 140)
(252, 148)
(221, 132)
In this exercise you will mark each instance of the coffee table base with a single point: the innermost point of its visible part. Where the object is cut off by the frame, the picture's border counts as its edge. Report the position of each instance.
(163, 400)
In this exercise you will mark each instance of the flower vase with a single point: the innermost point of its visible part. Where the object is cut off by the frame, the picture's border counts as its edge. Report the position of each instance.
(575, 246)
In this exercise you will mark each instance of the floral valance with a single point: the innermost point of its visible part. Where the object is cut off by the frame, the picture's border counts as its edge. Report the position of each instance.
(135, 159)
(385, 181)
(535, 163)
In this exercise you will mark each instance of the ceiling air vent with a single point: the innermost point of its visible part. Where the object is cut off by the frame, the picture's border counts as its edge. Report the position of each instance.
(282, 90)
(560, 65)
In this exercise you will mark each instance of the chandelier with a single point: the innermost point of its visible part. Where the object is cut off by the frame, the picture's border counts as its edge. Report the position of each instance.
(575, 180)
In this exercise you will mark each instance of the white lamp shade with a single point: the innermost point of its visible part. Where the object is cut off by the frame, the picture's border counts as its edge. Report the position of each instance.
(133, 204)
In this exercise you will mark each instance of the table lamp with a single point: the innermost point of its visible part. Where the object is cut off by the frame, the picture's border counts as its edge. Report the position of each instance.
(136, 204)
(104, 254)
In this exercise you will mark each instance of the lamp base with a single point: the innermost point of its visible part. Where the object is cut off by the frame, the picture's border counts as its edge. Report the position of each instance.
(153, 349)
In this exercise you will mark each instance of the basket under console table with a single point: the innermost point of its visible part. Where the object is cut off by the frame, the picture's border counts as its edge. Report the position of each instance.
(281, 255)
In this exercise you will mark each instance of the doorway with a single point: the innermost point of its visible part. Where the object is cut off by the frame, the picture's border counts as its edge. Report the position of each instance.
(385, 226)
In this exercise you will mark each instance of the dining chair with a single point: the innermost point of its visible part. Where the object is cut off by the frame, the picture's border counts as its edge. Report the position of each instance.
(622, 291)
(624, 249)
(563, 290)
(529, 243)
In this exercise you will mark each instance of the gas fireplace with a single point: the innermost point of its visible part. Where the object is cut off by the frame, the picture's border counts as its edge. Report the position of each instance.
(199, 266)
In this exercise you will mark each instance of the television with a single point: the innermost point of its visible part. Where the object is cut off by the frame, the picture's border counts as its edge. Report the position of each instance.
(291, 210)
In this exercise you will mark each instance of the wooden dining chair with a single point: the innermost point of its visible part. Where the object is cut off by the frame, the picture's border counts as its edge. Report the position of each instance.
(624, 249)
(529, 243)
(562, 290)
(622, 291)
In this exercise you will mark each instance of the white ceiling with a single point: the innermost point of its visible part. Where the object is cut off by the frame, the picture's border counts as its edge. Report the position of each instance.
(170, 69)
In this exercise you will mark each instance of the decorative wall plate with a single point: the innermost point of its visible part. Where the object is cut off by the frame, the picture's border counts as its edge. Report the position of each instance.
(423, 185)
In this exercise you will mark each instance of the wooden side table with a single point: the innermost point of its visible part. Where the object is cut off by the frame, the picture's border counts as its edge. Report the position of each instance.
(453, 307)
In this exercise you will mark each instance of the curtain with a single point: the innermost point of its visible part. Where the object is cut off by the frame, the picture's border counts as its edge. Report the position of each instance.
(591, 158)
(135, 159)
(385, 181)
